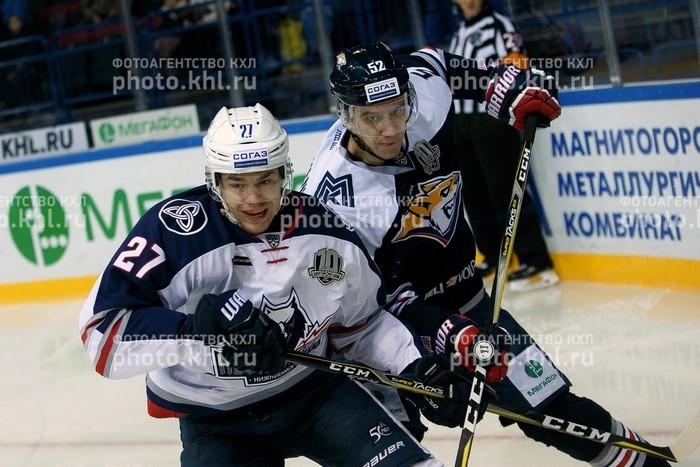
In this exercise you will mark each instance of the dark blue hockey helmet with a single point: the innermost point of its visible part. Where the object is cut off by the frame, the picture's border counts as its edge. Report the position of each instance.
(368, 74)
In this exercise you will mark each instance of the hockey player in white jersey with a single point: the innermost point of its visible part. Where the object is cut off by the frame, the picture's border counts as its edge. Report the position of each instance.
(389, 166)
(214, 285)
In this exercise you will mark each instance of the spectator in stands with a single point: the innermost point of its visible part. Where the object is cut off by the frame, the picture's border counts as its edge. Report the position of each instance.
(438, 21)
(97, 11)
(166, 46)
(308, 20)
(208, 12)
(16, 78)
(18, 9)
(142, 8)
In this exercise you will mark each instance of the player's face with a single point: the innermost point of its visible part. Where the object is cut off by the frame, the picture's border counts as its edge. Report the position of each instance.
(382, 126)
(253, 198)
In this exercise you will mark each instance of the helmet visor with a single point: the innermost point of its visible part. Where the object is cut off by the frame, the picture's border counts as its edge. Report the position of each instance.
(388, 118)
(251, 188)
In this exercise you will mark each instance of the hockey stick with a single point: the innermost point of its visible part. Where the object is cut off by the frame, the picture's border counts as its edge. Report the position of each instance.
(682, 448)
(485, 348)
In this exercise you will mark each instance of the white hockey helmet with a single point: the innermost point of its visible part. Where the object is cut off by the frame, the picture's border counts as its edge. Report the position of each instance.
(244, 140)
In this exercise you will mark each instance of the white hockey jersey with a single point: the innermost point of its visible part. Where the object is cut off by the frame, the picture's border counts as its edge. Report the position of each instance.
(409, 212)
(310, 272)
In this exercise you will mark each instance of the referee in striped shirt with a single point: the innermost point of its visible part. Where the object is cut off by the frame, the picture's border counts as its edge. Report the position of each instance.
(490, 153)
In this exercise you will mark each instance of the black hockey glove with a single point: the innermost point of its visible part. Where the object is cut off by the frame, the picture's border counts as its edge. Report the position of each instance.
(249, 340)
(450, 411)
(513, 93)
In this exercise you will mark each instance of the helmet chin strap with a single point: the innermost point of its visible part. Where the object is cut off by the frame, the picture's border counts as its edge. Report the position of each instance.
(226, 212)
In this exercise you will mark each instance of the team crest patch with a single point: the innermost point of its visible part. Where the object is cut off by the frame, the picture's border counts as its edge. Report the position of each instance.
(434, 211)
(336, 190)
(428, 155)
(183, 217)
(273, 240)
(328, 266)
(301, 331)
(401, 159)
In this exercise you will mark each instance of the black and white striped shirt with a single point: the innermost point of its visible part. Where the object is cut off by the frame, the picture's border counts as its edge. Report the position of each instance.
(490, 37)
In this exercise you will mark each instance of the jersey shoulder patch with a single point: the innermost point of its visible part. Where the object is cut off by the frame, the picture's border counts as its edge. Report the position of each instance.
(183, 216)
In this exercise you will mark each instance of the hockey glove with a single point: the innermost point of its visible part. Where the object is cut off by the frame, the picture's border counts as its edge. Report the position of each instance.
(513, 93)
(249, 340)
(450, 411)
(468, 346)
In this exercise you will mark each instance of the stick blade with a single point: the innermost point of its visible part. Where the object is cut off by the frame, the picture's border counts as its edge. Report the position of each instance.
(688, 441)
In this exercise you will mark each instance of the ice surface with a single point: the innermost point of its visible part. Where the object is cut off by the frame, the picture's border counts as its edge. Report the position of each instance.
(634, 350)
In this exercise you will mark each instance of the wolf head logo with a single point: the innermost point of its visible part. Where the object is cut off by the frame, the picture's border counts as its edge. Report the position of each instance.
(434, 211)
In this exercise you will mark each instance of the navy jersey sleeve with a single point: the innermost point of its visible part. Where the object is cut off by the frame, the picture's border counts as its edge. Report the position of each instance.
(467, 78)
(137, 298)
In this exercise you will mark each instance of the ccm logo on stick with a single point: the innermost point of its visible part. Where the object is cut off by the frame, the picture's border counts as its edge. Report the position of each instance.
(348, 370)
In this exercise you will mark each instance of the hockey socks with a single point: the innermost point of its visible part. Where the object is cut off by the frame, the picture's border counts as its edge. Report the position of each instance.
(616, 456)
(581, 410)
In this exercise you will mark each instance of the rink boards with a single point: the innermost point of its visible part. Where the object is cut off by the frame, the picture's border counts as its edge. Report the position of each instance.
(617, 178)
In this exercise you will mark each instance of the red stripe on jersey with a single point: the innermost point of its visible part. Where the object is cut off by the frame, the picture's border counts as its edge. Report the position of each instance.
(299, 212)
(347, 330)
(106, 350)
(88, 329)
(157, 411)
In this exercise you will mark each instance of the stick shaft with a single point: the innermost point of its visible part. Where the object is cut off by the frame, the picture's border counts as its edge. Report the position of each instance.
(681, 449)
(499, 283)
(514, 209)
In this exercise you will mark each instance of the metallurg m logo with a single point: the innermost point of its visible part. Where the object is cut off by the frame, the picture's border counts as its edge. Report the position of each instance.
(336, 190)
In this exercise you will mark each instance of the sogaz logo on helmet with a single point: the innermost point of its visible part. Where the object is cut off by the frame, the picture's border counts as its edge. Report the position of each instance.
(382, 90)
(251, 157)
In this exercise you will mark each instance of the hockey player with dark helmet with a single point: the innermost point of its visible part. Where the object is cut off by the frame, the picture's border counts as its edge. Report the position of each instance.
(390, 167)
(372, 76)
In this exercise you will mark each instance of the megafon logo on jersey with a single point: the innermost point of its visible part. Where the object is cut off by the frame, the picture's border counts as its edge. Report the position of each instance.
(38, 225)
(251, 157)
(434, 211)
(382, 90)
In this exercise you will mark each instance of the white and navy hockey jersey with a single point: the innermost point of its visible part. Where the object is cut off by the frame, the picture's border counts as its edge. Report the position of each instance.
(409, 212)
(310, 272)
